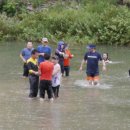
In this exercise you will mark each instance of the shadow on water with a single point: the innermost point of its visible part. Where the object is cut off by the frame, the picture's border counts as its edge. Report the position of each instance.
(79, 107)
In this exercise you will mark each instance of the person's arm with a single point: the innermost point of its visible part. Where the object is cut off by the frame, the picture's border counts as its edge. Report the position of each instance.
(71, 55)
(39, 70)
(59, 52)
(56, 70)
(50, 51)
(21, 56)
(103, 63)
(40, 54)
(30, 69)
(82, 63)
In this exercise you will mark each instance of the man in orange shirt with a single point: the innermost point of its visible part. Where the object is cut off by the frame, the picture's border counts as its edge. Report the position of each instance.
(45, 71)
(67, 58)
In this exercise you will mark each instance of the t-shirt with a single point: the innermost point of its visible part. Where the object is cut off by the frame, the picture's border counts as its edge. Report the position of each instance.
(56, 79)
(43, 49)
(92, 59)
(26, 53)
(46, 69)
(32, 65)
(67, 60)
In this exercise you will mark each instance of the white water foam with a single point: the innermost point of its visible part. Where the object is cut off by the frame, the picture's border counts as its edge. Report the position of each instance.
(116, 62)
(85, 84)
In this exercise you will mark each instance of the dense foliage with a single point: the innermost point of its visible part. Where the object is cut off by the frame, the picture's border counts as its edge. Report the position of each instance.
(102, 22)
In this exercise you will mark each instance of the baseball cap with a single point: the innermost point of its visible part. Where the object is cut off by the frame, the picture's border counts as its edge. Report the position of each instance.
(44, 39)
(91, 46)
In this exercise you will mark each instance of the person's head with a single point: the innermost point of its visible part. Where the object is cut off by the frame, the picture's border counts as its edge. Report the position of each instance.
(105, 56)
(55, 60)
(29, 45)
(61, 45)
(34, 54)
(44, 41)
(46, 56)
(91, 47)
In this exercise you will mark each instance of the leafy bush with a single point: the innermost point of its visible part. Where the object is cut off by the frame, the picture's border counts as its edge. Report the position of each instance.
(97, 21)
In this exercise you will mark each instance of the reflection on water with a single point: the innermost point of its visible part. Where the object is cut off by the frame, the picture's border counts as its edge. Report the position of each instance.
(79, 107)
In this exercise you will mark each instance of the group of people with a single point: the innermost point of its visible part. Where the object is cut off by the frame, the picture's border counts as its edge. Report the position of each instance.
(39, 64)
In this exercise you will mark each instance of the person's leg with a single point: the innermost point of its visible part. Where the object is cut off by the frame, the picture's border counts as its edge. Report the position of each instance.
(67, 70)
(62, 66)
(96, 80)
(129, 72)
(42, 89)
(58, 90)
(36, 86)
(49, 89)
(33, 87)
(25, 70)
(90, 80)
(54, 91)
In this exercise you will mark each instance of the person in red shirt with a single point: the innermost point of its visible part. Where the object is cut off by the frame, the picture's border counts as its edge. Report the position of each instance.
(45, 71)
(67, 58)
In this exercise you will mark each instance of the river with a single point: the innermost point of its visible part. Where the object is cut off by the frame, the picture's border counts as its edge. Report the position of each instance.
(79, 107)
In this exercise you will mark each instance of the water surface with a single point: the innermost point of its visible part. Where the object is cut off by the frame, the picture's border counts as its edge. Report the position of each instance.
(80, 107)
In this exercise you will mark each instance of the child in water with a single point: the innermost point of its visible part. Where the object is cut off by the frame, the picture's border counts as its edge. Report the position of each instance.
(105, 58)
(67, 58)
(56, 77)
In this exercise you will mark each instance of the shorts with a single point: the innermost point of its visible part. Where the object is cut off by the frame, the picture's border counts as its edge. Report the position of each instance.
(93, 77)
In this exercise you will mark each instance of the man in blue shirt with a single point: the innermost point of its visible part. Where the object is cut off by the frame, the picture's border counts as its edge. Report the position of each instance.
(92, 58)
(25, 55)
(43, 49)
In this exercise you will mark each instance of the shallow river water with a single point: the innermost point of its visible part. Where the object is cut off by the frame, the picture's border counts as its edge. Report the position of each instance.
(79, 107)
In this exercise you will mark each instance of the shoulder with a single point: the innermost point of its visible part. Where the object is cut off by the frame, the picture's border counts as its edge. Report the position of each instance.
(39, 46)
(68, 51)
(32, 49)
(51, 64)
(48, 47)
(97, 53)
(36, 60)
(41, 64)
(57, 65)
(24, 49)
(86, 53)
(29, 60)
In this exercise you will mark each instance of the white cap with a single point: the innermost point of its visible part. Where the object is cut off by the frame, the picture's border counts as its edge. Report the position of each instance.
(44, 39)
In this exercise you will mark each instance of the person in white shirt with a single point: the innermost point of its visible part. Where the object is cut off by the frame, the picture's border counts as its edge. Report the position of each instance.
(56, 79)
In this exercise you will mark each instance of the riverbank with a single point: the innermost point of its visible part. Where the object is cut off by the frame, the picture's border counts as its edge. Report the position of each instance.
(101, 22)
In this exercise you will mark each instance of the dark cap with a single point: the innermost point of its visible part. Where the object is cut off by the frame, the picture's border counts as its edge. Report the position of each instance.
(91, 46)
